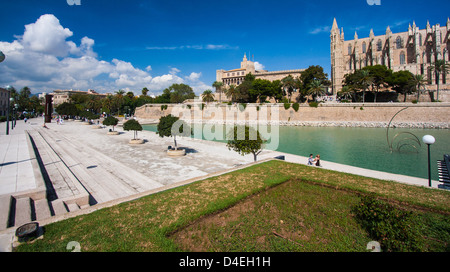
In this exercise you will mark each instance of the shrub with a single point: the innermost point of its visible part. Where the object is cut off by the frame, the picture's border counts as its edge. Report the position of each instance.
(394, 229)
(414, 101)
(287, 106)
(111, 121)
(295, 106)
(163, 107)
(242, 106)
(132, 125)
(313, 104)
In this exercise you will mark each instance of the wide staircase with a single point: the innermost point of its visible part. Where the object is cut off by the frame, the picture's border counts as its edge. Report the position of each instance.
(61, 194)
(75, 176)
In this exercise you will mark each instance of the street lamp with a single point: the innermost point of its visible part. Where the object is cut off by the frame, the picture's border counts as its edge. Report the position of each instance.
(11, 105)
(7, 106)
(429, 140)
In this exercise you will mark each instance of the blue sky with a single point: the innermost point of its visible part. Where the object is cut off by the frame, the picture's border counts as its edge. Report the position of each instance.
(108, 45)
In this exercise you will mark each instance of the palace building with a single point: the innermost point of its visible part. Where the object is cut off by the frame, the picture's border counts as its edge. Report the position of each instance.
(414, 50)
(236, 76)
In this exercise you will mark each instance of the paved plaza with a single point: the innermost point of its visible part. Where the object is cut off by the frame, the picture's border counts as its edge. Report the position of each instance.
(48, 174)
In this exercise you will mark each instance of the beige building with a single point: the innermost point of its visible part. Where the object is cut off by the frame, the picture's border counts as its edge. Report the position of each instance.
(61, 96)
(414, 50)
(236, 76)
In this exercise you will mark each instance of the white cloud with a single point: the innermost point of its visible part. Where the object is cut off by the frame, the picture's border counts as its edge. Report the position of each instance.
(259, 66)
(44, 60)
(320, 30)
(197, 47)
(194, 76)
(174, 71)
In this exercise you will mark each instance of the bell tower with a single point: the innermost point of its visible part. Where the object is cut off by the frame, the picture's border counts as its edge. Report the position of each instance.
(337, 57)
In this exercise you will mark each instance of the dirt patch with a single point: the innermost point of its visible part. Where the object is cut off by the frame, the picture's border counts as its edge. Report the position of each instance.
(293, 216)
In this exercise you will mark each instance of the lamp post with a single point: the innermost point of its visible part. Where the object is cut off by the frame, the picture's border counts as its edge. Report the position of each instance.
(16, 108)
(429, 140)
(7, 106)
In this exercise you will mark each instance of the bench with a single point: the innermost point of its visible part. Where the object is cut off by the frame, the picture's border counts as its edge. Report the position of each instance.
(444, 170)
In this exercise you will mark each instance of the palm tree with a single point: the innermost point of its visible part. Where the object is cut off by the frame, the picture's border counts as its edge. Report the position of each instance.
(208, 96)
(218, 85)
(118, 99)
(288, 84)
(108, 102)
(231, 92)
(366, 80)
(419, 82)
(315, 88)
(144, 91)
(346, 92)
(439, 67)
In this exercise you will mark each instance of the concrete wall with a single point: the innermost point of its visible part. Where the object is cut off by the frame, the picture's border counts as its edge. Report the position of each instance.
(416, 115)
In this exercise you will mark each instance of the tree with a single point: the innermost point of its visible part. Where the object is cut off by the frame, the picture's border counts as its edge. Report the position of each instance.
(111, 121)
(346, 92)
(108, 103)
(316, 88)
(401, 82)
(439, 67)
(379, 74)
(67, 109)
(365, 81)
(144, 91)
(246, 140)
(172, 126)
(310, 74)
(231, 92)
(118, 100)
(218, 85)
(288, 84)
(207, 96)
(419, 82)
(180, 92)
(132, 125)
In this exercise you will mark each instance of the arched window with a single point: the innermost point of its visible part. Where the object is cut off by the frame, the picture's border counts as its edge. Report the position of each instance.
(379, 45)
(399, 42)
(364, 47)
(402, 58)
(349, 49)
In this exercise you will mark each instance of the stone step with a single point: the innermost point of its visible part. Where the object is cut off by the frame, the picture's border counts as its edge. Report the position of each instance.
(23, 213)
(73, 207)
(5, 205)
(42, 209)
(59, 207)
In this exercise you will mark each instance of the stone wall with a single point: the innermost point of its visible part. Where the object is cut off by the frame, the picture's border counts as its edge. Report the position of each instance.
(421, 115)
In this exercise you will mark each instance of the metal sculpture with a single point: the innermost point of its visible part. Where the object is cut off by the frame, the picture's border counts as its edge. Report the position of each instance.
(403, 142)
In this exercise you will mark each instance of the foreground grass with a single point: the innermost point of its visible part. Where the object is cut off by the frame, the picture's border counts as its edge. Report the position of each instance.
(144, 224)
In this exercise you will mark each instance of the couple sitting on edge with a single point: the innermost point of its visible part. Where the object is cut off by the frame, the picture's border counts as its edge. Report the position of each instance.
(314, 161)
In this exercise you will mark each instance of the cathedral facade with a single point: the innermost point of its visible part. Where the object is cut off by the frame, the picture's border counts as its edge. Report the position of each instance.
(414, 50)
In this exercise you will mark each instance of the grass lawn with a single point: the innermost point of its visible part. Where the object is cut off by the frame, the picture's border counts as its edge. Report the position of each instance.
(273, 206)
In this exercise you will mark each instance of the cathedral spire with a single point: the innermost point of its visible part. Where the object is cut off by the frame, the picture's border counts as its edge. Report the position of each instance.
(335, 25)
